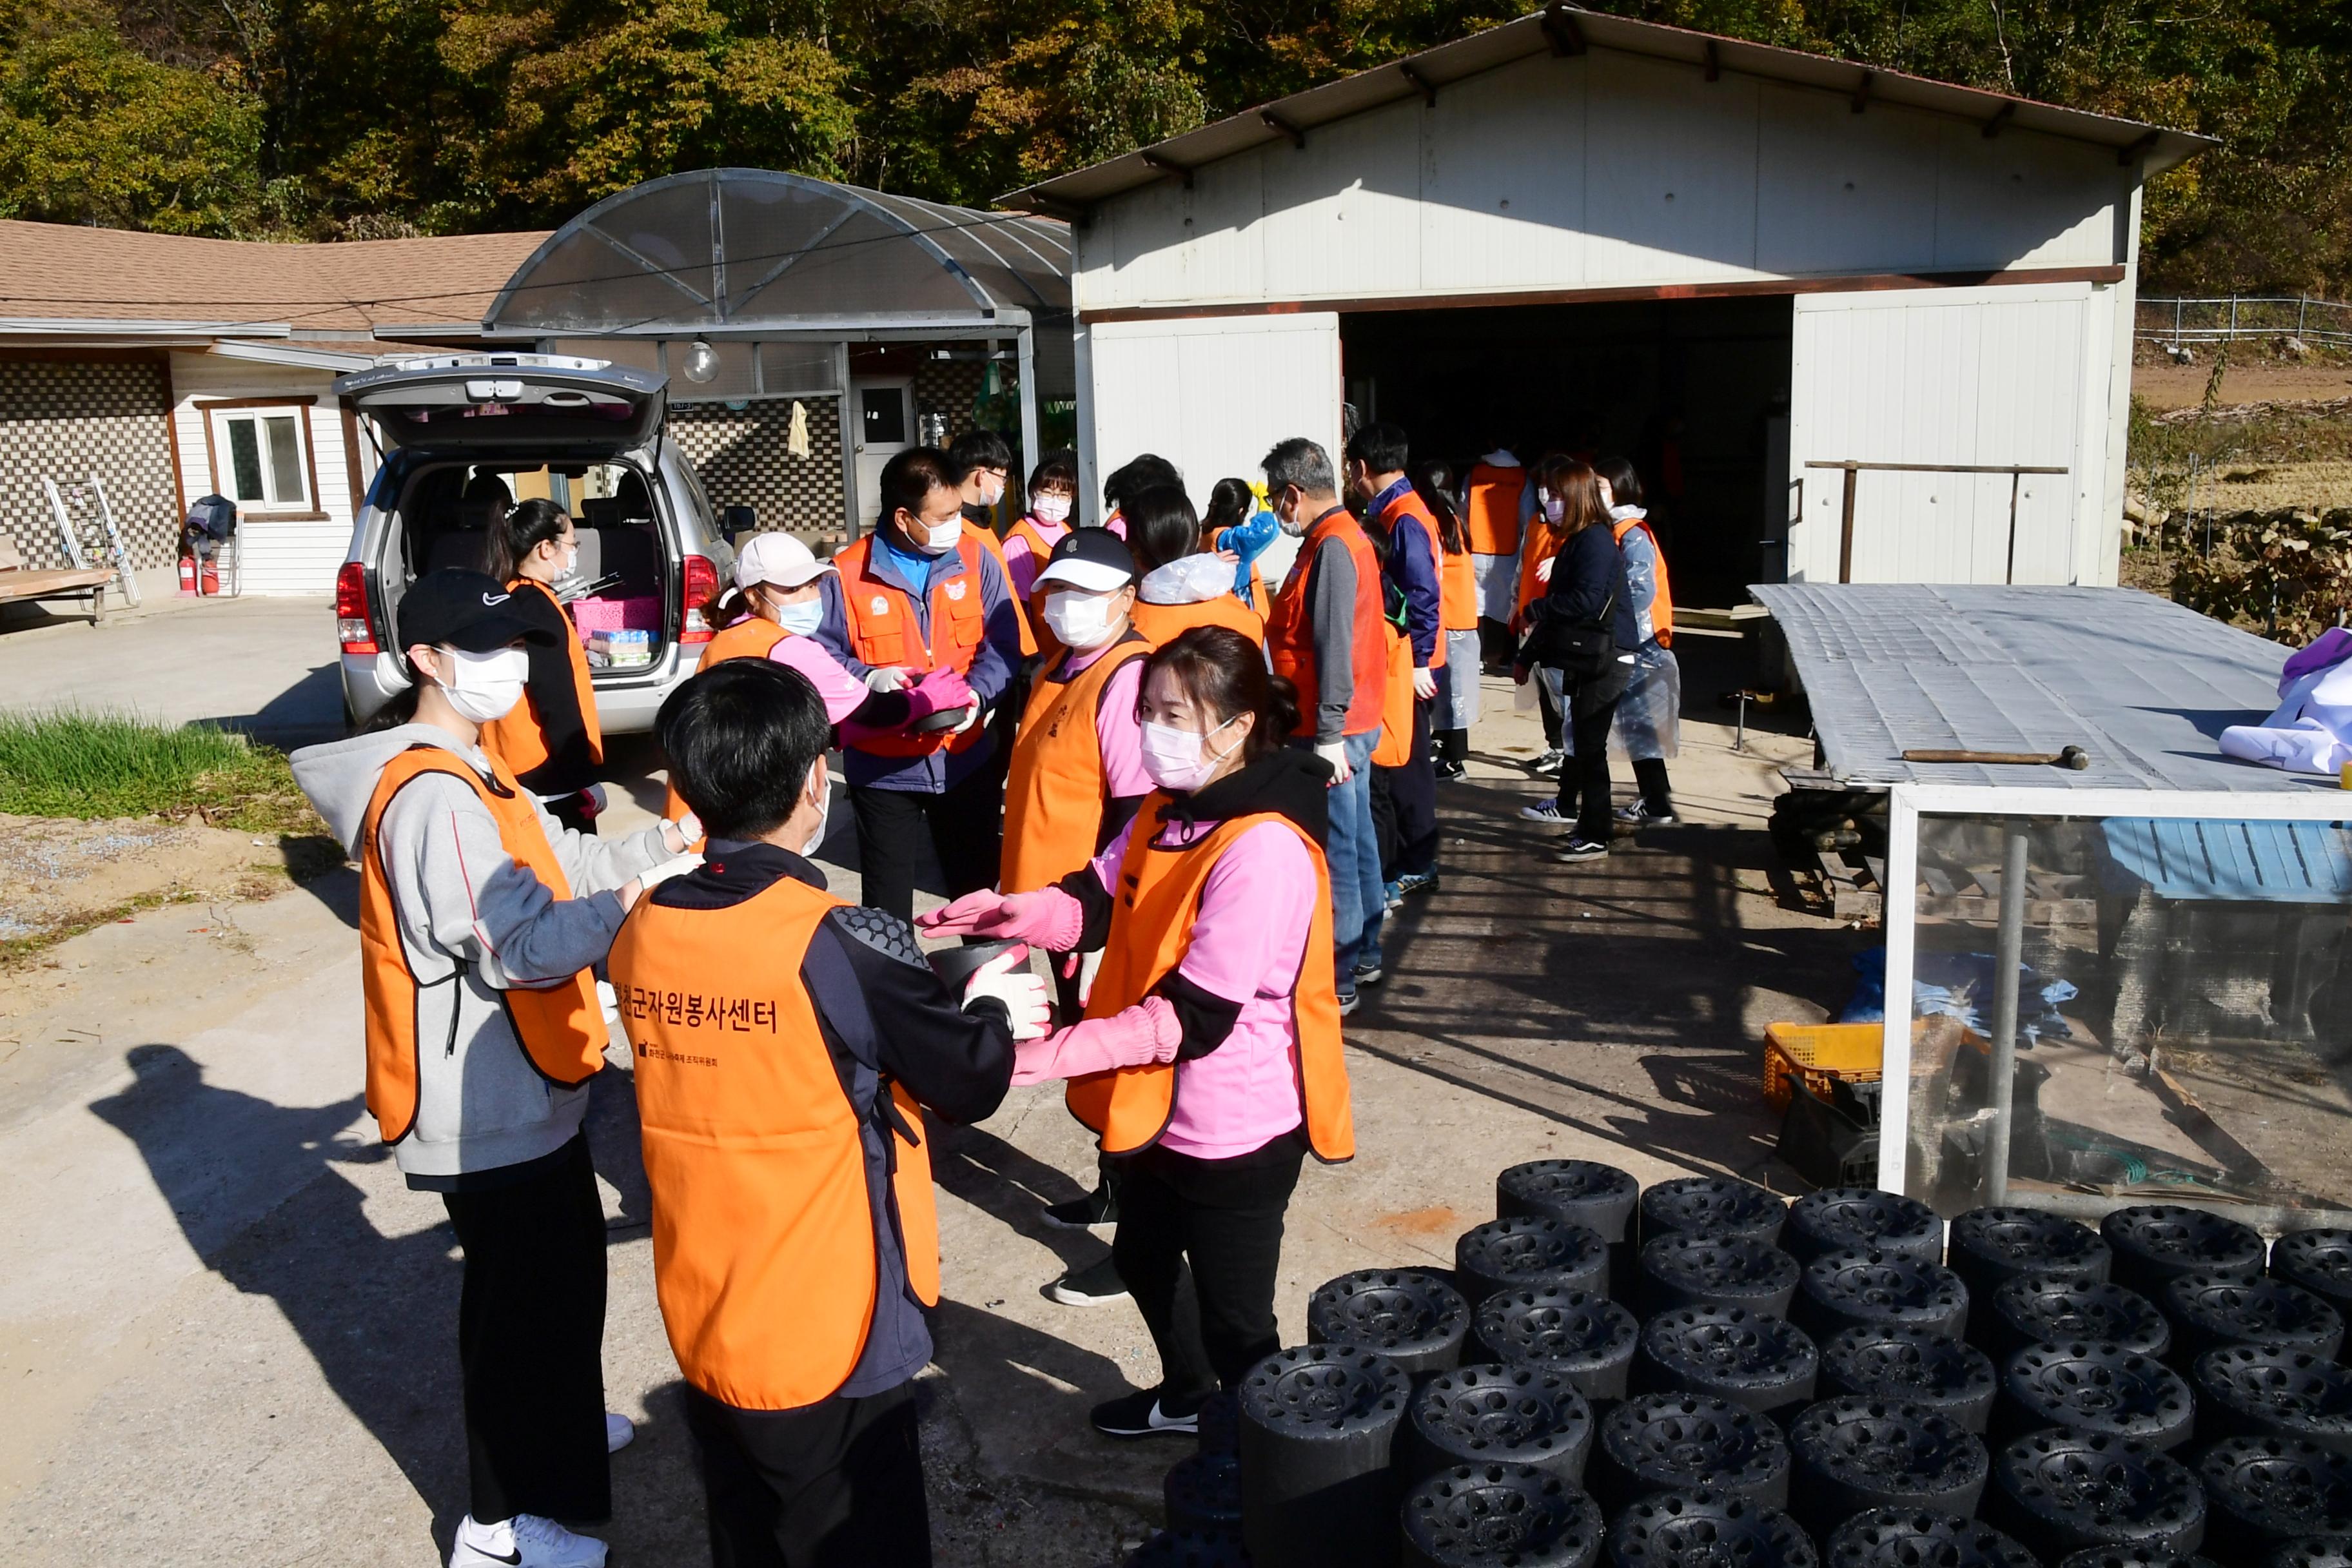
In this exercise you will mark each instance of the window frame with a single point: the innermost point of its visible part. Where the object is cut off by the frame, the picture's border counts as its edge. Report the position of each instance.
(211, 410)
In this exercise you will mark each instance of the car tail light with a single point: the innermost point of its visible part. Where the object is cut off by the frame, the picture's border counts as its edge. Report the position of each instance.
(352, 609)
(699, 584)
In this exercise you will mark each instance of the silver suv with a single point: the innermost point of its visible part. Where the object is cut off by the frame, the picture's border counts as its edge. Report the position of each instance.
(460, 434)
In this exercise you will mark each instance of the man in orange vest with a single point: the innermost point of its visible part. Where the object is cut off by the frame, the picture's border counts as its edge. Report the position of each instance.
(787, 1046)
(917, 594)
(1393, 510)
(1497, 503)
(1327, 637)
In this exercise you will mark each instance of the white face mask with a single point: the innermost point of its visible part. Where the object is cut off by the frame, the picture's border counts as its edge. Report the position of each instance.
(938, 538)
(1554, 508)
(1294, 525)
(1051, 508)
(1174, 758)
(1079, 620)
(571, 565)
(801, 619)
(992, 491)
(484, 687)
(823, 810)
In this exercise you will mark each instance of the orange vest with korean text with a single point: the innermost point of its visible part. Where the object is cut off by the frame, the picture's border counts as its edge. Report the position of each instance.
(1154, 904)
(562, 1026)
(1290, 640)
(765, 1261)
(1163, 624)
(516, 739)
(1054, 789)
(1662, 598)
(1543, 542)
(1491, 509)
(882, 631)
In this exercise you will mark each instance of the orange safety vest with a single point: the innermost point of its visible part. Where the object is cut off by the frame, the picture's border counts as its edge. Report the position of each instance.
(562, 1026)
(987, 540)
(1163, 624)
(1394, 748)
(1410, 504)
(765, 1261)
(1158, 899)
(1662, 598)
(1290, 643)
(882, 631)
(1543, 542)
(1054, 788)
(1491, 509)
(1457, 590)
(516, 739)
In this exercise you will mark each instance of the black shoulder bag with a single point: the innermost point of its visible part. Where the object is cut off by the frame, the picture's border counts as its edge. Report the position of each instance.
(1579, 649)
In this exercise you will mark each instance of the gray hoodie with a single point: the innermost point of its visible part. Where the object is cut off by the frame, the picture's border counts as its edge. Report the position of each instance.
(469, 914)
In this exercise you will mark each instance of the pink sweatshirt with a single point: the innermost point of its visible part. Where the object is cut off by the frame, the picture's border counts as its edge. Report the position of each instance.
(1117, 732)
(1247, 945)
(1021, 562)
(842, 691)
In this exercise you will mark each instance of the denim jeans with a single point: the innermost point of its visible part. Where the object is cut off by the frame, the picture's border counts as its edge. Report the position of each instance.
(1359, 898)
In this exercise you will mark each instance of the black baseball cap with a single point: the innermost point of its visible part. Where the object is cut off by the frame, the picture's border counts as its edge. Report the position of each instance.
(1093, 559)
(470, 610)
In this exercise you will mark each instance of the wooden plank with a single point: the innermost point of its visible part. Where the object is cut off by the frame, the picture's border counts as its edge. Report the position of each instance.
(2240, 1162)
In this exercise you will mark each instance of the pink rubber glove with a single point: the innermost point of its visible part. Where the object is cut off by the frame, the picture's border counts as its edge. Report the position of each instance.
(1139, 1035)
(1049, 918)
(938, 692)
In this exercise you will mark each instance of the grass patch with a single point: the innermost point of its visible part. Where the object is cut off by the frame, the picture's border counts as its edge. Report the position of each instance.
(93, 765)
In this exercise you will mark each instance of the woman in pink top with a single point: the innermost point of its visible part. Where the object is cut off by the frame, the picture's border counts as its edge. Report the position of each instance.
(1029, 543)
(1213, 1189)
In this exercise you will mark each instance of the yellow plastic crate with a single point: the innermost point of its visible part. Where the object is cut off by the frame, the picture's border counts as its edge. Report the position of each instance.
(1821, 1054)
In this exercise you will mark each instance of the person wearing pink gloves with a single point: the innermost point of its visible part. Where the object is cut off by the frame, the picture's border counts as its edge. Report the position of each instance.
(1209, 1060)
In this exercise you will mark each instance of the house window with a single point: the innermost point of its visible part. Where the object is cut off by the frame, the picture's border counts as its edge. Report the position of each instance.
(260, 457)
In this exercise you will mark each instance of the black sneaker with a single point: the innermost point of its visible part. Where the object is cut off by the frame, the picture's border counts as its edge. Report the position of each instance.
(1580, 849)
(1143, 1415)
(1369, 974)
(1413, 882)
(1098, 1207)
(1097, 1285)
(1451, 770)
(1642, 814)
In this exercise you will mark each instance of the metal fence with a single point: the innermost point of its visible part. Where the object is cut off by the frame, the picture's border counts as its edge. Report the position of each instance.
(2241, 316)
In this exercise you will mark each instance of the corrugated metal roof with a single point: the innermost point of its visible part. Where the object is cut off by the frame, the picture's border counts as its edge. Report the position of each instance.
(2155, 147)
(2145, 685)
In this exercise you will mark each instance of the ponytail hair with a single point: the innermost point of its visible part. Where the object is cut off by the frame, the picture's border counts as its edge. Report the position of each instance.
(1624, 482)
(1230, 504)
(521, 531)
(727, 606)
(1434, 481)
(1224, 672)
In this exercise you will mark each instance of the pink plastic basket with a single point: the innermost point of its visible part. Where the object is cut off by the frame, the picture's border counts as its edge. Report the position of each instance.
(640, 614)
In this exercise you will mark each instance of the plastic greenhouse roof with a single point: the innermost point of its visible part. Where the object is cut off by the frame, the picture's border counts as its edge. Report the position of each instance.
(737, 249)
(2145, 685)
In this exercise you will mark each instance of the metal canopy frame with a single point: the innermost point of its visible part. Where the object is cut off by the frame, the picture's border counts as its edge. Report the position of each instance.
(2018, 806)
(1013, 269)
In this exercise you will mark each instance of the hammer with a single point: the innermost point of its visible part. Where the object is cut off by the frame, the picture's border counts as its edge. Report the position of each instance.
(2072, 757)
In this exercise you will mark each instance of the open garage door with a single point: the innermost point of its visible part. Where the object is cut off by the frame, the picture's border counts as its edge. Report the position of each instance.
(1209, 394)
(1939, 379)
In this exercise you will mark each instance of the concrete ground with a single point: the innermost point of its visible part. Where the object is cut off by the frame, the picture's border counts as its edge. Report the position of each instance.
(227, 1326)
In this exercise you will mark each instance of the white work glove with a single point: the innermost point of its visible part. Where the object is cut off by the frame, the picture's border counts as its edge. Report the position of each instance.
(1424, 685)
(970, 716)
(1336, 753)
(890, 679)
(1023, 995)
(681, 833)
(676, 866)
(1543, 568)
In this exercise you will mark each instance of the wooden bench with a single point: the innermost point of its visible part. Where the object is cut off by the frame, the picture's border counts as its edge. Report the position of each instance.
(19, 581)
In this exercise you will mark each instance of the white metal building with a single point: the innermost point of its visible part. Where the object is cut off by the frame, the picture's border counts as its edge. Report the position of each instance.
(1579, 229)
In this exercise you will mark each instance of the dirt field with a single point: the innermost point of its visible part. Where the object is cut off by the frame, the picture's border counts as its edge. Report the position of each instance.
(59, 875)
(2164, 384)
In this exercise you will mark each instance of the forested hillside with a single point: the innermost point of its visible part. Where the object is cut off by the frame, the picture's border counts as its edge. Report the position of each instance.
(340, 118)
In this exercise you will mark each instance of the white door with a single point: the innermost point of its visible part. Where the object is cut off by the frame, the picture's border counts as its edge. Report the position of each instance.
(886, 428)
(1988, 378)
(1210, 394)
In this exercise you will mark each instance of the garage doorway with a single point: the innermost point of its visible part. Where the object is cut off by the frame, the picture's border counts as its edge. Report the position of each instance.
(1695, 391)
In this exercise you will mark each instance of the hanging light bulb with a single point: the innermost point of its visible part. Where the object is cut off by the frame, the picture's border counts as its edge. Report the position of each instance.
(702, 362)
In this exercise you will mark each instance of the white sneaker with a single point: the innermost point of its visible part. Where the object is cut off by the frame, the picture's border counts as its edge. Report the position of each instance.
(526, 1541)
(619, 1432)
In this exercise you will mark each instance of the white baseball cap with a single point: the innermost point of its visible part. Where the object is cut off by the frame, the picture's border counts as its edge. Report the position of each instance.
(777, 558)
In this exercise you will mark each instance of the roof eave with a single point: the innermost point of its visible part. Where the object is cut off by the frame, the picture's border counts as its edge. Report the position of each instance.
(1431, 70)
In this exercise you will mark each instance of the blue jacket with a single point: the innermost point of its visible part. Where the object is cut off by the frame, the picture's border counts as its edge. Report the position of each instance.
(1412, 567)
(993, 664)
